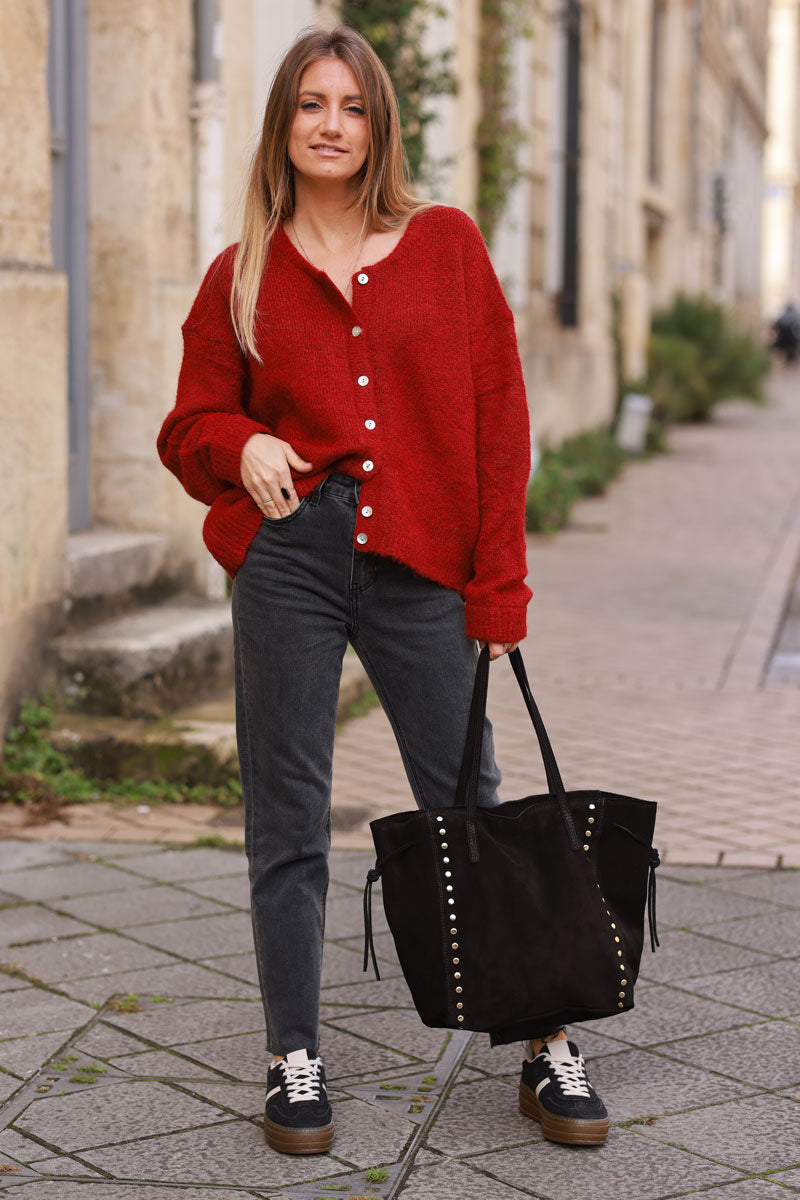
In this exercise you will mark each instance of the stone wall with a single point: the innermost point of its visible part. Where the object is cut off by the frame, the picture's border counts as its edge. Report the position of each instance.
(33, 388)
(142, 268)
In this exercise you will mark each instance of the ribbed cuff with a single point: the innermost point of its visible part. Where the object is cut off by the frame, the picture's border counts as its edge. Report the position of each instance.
(231, 433)
(493, 624)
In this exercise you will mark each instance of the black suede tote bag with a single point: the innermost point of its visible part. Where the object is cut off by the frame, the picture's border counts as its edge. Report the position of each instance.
(529, 913)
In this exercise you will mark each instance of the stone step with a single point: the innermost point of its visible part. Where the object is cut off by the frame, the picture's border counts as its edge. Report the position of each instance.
(146, 662)
(195, 745)
(111, 569)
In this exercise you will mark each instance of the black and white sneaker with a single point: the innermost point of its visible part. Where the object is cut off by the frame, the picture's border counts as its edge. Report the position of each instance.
(554, 1090)
(298, 1118)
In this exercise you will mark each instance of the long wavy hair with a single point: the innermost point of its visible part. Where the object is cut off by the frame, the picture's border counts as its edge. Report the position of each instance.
(383, 189)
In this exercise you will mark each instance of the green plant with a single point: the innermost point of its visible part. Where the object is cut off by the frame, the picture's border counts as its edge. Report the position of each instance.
(213, 841)
(551, 494)
(395, 29)
(88, 1073)
(582, 465)
(64, 1063)
(376, 1175)
(499, 134)
(125, 1004)
(698, 357)
(36, 773)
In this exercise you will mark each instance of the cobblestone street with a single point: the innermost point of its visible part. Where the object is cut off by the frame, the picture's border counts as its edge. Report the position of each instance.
(702, 1078)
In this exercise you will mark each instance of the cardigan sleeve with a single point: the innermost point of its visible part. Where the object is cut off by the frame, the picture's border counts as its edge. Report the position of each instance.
(496, 595)
(202, 438)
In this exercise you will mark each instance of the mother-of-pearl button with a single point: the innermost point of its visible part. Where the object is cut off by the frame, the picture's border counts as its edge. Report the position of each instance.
(366, 510)
(363, 277)
(368, 464)
(363, 380)
(361, 538)
(370, 424)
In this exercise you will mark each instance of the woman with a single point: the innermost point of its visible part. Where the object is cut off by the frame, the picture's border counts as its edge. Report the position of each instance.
(351, 406)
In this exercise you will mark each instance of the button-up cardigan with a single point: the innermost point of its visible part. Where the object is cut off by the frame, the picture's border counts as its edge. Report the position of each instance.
(415, 388)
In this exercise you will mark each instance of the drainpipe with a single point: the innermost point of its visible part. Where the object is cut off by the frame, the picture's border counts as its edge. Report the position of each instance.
(694, 115)
(208, 116)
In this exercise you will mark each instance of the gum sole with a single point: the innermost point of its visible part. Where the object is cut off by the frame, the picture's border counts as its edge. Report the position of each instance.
(298, 1141)
(568, 1133)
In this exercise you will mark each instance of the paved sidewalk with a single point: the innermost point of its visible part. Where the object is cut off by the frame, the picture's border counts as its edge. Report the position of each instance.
(650, 633)
(702, 1078)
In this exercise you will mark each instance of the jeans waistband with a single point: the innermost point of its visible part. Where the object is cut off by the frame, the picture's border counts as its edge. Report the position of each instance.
(339, 484)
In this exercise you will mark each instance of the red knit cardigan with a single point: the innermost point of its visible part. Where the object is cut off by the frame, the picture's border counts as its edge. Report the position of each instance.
(415, 388)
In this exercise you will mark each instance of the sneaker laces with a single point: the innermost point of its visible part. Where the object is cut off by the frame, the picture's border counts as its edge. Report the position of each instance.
(570, 1072)
(301, 1076)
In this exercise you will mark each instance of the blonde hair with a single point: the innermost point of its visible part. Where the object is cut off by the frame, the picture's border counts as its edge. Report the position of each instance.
(383, 190)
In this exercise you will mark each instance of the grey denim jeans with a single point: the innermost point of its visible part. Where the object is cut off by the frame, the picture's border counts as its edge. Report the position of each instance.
(302, 593)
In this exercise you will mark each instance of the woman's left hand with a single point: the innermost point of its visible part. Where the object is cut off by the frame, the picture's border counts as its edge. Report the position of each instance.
(497, 649)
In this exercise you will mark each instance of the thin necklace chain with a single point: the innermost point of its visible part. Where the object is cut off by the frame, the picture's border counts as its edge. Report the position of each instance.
(308, 256)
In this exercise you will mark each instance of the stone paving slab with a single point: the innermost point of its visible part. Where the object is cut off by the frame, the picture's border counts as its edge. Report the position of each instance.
(711, 1051)
(114, 909)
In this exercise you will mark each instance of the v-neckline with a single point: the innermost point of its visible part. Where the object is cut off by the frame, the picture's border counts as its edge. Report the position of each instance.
(380, 262)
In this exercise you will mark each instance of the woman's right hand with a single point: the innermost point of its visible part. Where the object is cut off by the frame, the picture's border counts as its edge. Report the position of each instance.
(265, 468)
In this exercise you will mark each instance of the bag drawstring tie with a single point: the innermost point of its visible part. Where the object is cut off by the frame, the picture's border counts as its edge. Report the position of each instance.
(653, 862)
(373, 875)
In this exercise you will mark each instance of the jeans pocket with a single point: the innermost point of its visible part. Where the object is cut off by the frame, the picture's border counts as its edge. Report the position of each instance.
(289, 516)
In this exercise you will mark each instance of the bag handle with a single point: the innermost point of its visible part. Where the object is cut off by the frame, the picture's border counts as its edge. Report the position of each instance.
(467, 786)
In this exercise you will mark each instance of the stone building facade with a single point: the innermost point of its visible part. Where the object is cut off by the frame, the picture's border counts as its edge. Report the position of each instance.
(781, 257)
(127, 128)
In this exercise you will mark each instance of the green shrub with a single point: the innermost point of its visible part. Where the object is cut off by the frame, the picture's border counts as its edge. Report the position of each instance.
(697, 357)
(582, 465)
(551, 494)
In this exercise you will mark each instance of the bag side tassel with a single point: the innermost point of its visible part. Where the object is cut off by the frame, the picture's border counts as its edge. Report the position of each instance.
(373, 875)
(654, 861)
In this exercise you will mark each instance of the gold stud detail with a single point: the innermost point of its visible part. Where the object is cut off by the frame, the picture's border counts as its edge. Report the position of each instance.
(587, 833)
(448, 874)
(619, 952)
(586, 847)
(442, 832)
(444, 844)
(616, 939)
(454, 930)
(461, 1018)
(449, 887)
(621, 965)
(460, 1004)
(440, 818)
(454, 945)
(613, 926)
(456, 974)
(624, 982)
(622, 995)
(447, 860)
(450, 900)
(456, 961)
(593, 806)
(591, 822)
(459, 990)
